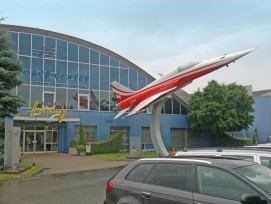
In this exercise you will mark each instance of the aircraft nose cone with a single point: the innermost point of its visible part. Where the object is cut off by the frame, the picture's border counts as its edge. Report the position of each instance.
(237, 55)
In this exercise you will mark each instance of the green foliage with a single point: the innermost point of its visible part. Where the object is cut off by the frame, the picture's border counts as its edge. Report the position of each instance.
(228, 141)
(109, 145)
(221, 108)
(80, 148)
(73, 143)
(82, 138)
(10, 68)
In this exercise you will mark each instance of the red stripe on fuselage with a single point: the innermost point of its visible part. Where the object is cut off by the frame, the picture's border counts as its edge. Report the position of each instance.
(177, 81)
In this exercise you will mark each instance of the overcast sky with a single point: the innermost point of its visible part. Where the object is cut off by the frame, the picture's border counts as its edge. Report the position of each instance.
(159, 35)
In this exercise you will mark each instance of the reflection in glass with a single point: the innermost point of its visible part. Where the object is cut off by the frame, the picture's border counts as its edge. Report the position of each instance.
(23, 92)
(94, 77)
(83, 102)
(73, 52)
(29, 142)
(124, 77)
(72, 99)
(39, 141)
(133, 79)
(93, 100)
(104, 101)
(112, 101)
(61, 50)
(104, 78)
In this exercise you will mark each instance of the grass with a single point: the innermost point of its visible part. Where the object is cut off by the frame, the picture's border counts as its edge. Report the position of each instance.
(33, 170)
(123, 155)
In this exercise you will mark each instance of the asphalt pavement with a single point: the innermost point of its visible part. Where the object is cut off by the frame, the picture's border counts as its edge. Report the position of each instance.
(57, 163)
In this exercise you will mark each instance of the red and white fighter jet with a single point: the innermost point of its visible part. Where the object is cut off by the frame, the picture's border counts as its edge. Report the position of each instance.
(168, 84)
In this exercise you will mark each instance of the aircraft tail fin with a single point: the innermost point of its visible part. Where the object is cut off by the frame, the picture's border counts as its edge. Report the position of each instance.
(121, 92)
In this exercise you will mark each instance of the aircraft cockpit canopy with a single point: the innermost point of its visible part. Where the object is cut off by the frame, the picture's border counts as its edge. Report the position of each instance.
(187, 66)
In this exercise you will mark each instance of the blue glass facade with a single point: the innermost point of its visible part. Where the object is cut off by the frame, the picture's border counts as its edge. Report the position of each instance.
(63, 70)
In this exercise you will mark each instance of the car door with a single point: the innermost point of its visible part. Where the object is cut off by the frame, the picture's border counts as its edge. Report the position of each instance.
(168, 183)
(217, 186)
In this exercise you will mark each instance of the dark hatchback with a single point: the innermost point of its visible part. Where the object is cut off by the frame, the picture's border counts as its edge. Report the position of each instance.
(194, 181)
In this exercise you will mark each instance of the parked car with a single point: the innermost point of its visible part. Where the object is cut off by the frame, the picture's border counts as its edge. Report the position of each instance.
(256, 155)
(194, 181)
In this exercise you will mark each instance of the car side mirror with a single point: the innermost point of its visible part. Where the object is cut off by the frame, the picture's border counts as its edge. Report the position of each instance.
(251, 198)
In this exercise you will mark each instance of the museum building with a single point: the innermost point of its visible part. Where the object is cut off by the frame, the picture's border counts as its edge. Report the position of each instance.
(66, 81)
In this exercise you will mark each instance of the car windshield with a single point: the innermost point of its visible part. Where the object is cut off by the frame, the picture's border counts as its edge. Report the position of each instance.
(258, 174)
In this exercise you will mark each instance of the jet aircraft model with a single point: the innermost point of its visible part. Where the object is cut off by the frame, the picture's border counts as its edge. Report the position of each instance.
(168, 84)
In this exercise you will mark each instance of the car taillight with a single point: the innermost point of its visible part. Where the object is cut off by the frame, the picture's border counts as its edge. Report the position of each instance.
(109, 186)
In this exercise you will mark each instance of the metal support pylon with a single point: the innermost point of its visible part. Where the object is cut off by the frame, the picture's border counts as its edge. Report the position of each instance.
(156, 137)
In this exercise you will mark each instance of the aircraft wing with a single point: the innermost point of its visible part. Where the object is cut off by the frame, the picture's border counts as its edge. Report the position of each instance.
(147, 101)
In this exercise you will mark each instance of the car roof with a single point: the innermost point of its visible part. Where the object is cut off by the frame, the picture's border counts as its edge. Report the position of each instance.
(228, 163)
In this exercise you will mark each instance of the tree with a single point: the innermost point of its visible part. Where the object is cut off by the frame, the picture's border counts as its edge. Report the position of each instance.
(221, 108)
(10, 68)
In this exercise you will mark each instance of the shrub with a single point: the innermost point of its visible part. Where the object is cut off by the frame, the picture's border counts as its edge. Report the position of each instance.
(109, 145)
(73, 143)
(80, 148)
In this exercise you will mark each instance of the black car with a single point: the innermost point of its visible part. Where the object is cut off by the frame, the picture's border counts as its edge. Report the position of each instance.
(195, 181)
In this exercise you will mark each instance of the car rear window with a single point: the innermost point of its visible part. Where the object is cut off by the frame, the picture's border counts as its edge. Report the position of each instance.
(170, 175)
(139, 173)
(266, 161)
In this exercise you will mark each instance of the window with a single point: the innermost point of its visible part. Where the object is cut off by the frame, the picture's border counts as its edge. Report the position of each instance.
(83, 54)
(25, 44)
(266, 161)
(94, 57)
(23, 92)
(139, 173)
(89, 132)
(61, 50)
(104, 101)
(49, 98)
(94, 77)
(93, 100)
(73, 52)
(104, 78)
(219, 183)
(83, 102)
(124, 77)
(170, 175)
(104, 59)
(248, 158)
(132, 79)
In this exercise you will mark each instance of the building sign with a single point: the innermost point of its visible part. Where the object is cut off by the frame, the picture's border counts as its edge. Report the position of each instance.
(44, 52)
(37, 109)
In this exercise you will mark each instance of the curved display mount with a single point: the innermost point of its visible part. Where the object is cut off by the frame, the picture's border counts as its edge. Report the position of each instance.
(156, 137)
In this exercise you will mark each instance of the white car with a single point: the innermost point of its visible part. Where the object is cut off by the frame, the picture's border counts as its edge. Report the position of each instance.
(258, 156)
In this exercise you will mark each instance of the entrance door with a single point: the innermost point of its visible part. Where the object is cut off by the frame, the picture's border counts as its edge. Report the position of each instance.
(34, 142)
(39, 142)
(29, 142)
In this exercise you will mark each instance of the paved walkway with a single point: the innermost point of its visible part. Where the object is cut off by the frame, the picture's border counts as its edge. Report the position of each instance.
(55, 163)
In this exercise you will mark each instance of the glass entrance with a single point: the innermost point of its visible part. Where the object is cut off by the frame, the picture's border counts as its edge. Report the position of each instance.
(29, 142)
(34, 142)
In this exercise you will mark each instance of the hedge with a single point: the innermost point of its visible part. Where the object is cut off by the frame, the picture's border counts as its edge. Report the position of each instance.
(111, 144)
(227, 141)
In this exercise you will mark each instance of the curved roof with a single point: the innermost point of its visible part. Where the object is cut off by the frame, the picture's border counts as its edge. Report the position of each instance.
(77, 41)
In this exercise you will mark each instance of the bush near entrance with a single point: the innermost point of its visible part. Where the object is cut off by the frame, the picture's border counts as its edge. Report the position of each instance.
(111, 144)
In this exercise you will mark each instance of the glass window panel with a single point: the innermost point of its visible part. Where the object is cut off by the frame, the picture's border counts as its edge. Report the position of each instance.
(114, 75)
(104, 78)
(72, 99)
(168, 107)
(83, 54)
(176, 107)
(25, 44)
(93, 100)
(219, 183)
(61, 73)
(139, 173)
(37, 46)
(173, 175)
(266, 161)
(104, 59)
(37, 71)
(36, 94)
(141, 81)
(49, 71)
(61, 50)
(94, 77)
(14, 39)
(184, 110)
(83, 102)
(61, 96)
(94, 57)
(73, 52)
(123, 65)
(124, 77)
(89, 132)
(104, 101)
(113, 62)
(149, 81)
(132, 79)
(50, 47)
(72, 74)
(23, 92)
(48, 98)
(25, 74)
(83, 76)
(112, 101)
